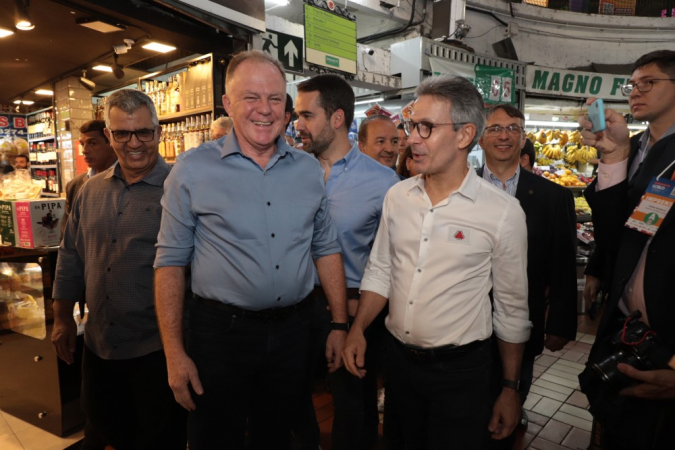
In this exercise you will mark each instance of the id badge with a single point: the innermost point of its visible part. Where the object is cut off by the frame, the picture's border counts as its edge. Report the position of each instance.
(653, 207)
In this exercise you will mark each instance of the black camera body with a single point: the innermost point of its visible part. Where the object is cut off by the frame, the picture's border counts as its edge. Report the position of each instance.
(637, 345)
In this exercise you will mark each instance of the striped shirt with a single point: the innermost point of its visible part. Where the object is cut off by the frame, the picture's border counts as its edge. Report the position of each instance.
(511, 184)
(109, 247)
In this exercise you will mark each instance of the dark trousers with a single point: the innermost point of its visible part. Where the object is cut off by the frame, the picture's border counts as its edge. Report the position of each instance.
(252, 371)
(355, 419)
(438, 405)
(128, 404)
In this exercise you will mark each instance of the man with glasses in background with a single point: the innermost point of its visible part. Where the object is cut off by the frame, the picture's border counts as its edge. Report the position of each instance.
(551, 242)
(109, 248)
(447, 238)
(640, 262)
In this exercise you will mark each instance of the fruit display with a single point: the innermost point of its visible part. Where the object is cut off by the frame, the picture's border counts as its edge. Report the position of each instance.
(581, 206)
(552, 151)
(568, 178)
(575, 154)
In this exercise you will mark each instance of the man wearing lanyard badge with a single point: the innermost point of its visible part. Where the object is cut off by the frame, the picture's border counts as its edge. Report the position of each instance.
(631, 201)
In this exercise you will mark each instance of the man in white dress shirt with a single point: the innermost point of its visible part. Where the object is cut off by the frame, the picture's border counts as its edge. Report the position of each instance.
(447, 238)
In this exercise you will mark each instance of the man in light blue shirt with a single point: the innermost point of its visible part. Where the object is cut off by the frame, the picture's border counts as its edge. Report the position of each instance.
(249, 214)
(355, 187)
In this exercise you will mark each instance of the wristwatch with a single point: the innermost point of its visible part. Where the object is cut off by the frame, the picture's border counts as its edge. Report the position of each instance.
(515, 385)
(339, 326)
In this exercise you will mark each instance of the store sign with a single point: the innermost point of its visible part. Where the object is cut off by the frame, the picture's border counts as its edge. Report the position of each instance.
(284, 47)
(13, 126)
(545, 80)
(248, 13)
(495, 84)
(330, 40)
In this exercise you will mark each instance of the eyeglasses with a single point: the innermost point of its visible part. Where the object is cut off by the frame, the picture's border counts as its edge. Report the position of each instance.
(425, 128)
(642, 86)
(143, 135)
(496, 130)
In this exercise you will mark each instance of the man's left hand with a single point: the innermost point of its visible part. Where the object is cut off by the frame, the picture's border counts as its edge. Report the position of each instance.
(657, 384)
(505, 414)
(555, 343)
(334, 345)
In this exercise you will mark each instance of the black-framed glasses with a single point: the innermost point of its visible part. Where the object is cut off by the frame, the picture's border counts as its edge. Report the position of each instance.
(496, 130)
(143, 135)
(642, 86)
(425, 128)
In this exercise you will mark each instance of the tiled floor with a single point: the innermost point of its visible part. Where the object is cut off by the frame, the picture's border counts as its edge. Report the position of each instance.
(557, 410)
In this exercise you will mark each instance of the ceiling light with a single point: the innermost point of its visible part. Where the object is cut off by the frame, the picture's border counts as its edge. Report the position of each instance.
(27, 102)
(4, 32)
(17, 102)
(86, 82)
(103, 68)
(44, 92)
(372, 100)
(157, 47)
(22, 19)
(100, 26)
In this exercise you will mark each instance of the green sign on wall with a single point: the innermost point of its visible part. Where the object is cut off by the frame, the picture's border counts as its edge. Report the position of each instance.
(495, 84)
(330, 40)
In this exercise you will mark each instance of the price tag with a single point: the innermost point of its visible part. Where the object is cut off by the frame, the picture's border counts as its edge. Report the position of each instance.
(560, 172)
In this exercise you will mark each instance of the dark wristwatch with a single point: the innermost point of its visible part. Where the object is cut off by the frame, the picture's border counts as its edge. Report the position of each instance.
(515, 385)
(339, 326)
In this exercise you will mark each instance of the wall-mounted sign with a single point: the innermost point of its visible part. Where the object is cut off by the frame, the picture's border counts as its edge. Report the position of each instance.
(495, 84)
(545, 80)
(330, 40)
(13, 126)
(284, 47)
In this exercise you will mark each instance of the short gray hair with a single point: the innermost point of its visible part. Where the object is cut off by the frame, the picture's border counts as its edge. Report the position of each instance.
(129, 101)
(222, 122)
(253, 55)
(466, 103)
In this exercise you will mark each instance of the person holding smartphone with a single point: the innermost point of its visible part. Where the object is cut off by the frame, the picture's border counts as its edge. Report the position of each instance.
(639, 417)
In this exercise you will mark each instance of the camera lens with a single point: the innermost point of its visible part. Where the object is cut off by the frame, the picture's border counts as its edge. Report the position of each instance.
(609, 373)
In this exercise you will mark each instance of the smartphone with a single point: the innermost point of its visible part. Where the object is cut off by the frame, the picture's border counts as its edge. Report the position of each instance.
(596, 114)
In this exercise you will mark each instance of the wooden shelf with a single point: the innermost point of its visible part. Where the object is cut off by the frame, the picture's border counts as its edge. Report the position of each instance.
(42, 139)
(43, 166)
(182, 114)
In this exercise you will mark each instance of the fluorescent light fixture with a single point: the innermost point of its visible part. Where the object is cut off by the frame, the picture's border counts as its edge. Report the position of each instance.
(27, 102)
(44, 92)
(372, 100)
(637, 127)
(103, 68)
(4, 32)
(157, 47)
(17, 102)
(545, 123)
(100, 26)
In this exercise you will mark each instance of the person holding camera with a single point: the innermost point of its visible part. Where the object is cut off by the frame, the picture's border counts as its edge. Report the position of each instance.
(628, 381)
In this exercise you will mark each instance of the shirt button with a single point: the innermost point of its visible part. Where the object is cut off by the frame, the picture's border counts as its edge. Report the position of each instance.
(272, 234)
(278, 299)
(268, 204)
(411, 303)
(630, 290)
(431, 210)
(419, 270)
(426, 239)
(277, 266)
(108, 269)
(407, 332)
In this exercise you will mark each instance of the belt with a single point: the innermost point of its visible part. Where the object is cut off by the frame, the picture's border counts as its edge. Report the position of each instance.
(264, 314)
(351, 292)
(438, 354)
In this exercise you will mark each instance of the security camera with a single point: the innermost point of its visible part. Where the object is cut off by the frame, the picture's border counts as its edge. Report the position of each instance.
(368, 51)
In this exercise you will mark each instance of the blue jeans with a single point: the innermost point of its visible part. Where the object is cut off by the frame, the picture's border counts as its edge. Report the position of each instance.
(252, 371)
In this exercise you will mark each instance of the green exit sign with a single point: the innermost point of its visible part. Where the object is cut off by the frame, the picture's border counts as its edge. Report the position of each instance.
(330, 40)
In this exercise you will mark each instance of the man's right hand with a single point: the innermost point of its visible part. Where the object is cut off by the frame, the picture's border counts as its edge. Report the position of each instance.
(614, 142)
(64, 334)
(354, 353)
(182, 371)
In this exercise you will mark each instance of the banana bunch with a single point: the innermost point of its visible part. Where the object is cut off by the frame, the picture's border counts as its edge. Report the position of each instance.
(532, 137)
(575, 137)
(542, 137)
(552, 151)
(543, 161)
(571, 154)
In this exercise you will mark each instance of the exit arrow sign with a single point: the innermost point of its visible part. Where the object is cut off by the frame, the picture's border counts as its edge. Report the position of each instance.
(286, 48)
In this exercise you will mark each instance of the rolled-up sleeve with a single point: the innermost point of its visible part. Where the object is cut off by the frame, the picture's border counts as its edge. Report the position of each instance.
(175, 242)
(377, 277)
(509, 275)
(324, 237)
